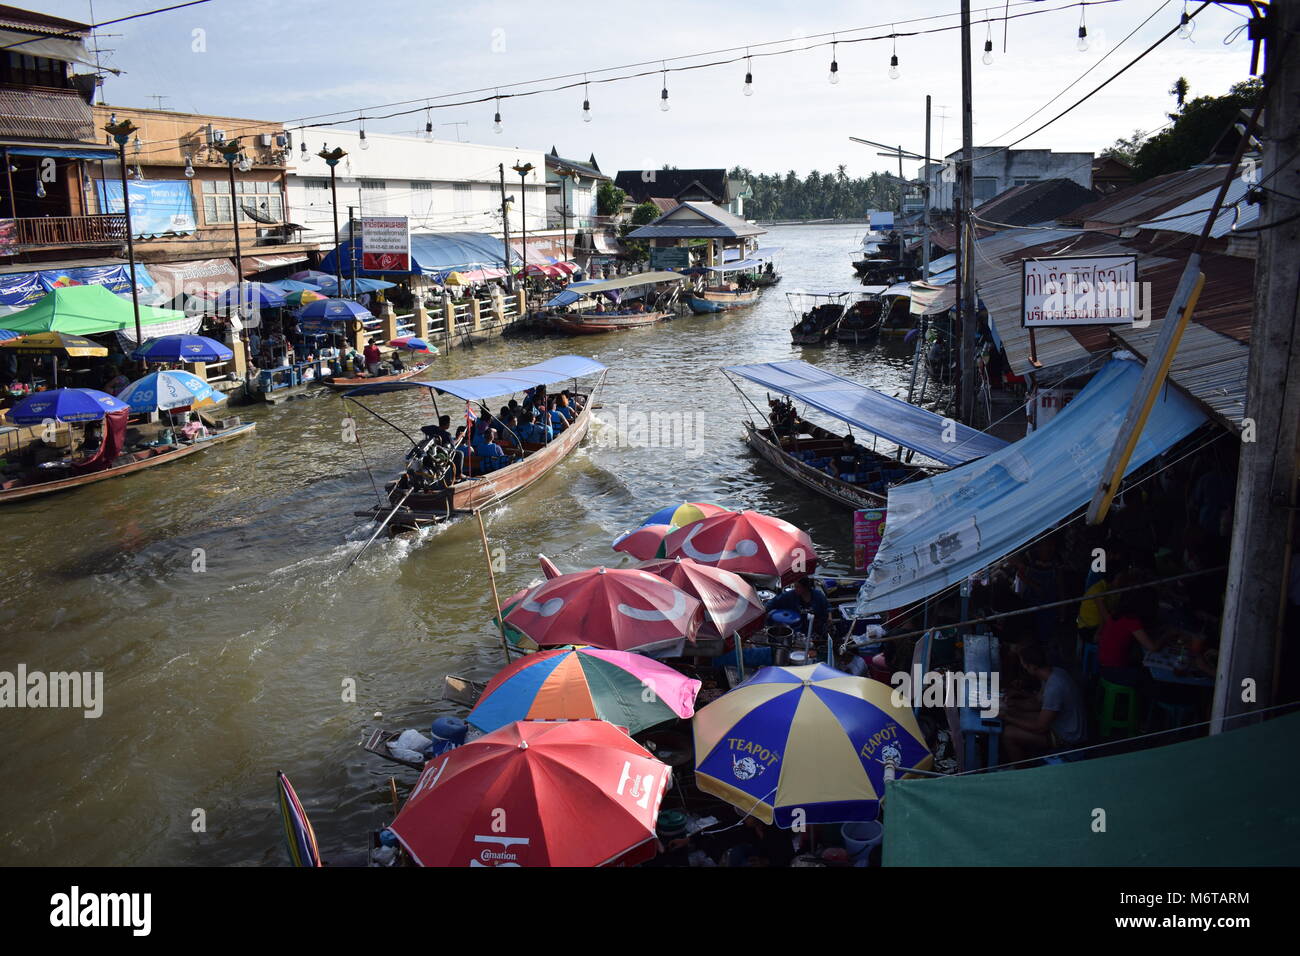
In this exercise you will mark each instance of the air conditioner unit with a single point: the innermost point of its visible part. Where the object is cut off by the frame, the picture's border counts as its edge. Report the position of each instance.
(283, 141)
(216, 136)
(265, 139)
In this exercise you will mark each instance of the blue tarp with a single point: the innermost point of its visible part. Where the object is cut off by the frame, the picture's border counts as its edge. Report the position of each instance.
(158, 206)
(498, 383)
(433, 252)
(945, 528)
(21, 289)
(891, 418)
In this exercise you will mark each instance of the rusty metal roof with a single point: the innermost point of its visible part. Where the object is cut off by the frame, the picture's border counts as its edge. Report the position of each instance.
(1149, 199)
(15, 18)
(45, 114)
(1209, 367)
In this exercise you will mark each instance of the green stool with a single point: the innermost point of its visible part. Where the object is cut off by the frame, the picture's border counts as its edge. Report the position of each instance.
(1119, 710)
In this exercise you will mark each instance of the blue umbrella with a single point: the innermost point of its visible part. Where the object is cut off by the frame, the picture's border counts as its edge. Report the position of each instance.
(336, 310)
(257, 295)
(293, 285)
(183, 348)
(164, 391)
(6, 335)
(353, 286)
(65, 405)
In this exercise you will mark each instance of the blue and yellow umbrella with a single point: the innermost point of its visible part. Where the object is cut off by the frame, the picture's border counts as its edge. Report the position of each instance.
(805, 744)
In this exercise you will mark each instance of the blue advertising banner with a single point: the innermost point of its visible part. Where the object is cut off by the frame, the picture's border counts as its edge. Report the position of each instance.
(18, 290)
(158, 206)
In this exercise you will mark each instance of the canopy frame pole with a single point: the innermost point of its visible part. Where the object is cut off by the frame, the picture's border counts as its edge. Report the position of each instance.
(382, 525)
(492, 579)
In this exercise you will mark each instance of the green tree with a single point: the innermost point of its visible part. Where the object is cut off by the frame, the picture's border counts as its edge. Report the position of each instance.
(609, 199)
(1197, 127)
(1125, 148)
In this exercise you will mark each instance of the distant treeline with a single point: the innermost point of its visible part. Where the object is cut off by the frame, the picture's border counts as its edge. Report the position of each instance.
(815, 196)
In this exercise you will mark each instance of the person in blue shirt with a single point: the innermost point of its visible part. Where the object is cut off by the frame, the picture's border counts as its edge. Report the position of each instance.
(806, 598)
(558, 421)
(538, 431)
(491, 455)
(562, 406)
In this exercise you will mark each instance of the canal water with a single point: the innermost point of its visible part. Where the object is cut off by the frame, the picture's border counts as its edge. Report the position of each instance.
(211, 593)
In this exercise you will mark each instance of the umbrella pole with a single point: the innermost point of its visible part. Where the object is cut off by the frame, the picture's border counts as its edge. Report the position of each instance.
(496, 599)
(740, 656)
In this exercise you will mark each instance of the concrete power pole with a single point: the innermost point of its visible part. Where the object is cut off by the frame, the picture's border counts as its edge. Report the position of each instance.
(1265, 512)
(967, 312)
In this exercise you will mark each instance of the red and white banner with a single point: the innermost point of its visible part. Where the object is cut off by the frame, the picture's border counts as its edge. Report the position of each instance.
(385, 244)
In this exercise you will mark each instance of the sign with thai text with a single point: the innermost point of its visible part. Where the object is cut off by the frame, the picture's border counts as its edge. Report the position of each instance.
(1080, 290)
(385, 244)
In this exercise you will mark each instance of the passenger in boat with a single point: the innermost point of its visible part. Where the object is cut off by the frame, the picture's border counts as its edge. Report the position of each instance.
(491, 455)
(562, 406)
(784, 419)
(576, 401)
(806, 598)
(439, 432)
(558, 421)
(845, 461)
(396, 362)
(535, 431)
(372, 357)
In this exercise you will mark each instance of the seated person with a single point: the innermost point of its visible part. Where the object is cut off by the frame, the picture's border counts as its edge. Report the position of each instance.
(535, 431)
(395, 360)
(439, 432)
(806, 598)
(1122, 639)
(562, 406)
(845, 460)
(459, 447)
(558, 422)
(576, 401)
(194, 428)
(1053, 719)
(491, 455)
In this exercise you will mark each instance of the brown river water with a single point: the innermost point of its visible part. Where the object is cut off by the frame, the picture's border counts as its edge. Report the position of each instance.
(215, 679)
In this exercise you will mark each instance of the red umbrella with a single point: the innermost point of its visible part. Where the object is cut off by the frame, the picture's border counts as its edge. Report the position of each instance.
(536, 793)
(623, 609)
(730, 602)
(645, 542)
(548, 567)
(748, 543)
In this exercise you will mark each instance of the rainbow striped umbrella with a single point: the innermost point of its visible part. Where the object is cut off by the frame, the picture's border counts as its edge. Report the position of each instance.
(628, 690)
(298, 834)
(805, 744)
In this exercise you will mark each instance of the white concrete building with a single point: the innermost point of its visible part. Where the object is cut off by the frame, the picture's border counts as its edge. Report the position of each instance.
(441, 186)
(998, 169)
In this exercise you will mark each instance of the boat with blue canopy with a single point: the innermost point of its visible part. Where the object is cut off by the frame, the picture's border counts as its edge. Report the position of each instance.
(839, 466)
(449, 475)
(595, 306)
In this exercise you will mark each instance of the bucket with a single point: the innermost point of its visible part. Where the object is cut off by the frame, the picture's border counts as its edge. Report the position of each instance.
(798, 658)
(779, 634)
(860, 837)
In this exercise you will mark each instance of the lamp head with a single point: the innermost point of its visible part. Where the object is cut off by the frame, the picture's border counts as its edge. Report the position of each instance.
(120, 131)
(332, 156)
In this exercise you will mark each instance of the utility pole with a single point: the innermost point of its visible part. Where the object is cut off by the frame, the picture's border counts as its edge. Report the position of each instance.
(505, 228)
(967, 313)
(925, 195)
(1264, 516)
(352, 248)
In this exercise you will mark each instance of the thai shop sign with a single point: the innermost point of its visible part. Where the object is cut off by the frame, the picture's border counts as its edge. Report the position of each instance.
(1079, 290)
(385, 244)
(670, 257)
(868, 529)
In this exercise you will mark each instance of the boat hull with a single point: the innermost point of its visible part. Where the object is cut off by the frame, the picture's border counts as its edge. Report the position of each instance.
(842, 492)
(23, 492)
(729, 300)
(599, 325)
(343, 384)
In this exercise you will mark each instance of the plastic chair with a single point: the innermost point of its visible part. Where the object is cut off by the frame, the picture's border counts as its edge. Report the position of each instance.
(1119, 710)
(1171, 716)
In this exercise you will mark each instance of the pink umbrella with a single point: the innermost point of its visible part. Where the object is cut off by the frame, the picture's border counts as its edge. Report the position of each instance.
(645, 542)
(548, 567)
(623, 609)
(731, 604)
(747, 543)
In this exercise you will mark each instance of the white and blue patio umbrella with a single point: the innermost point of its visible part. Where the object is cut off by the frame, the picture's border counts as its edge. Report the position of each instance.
(183, 348)
(164, 391)
(65, 405)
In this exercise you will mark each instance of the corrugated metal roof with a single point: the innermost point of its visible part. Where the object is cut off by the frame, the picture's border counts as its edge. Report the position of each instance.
(1209, 367)
(1150, 199)
(716, 223)
(45, 114)
(1190, 216)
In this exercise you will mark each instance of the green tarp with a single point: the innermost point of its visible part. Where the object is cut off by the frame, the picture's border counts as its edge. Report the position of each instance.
(84, 310)
(1226, 800)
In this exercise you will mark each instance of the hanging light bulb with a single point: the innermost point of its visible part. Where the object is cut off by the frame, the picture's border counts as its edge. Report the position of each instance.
(663, 95)
(748, 88)
(189, 165)
(987, 58)
(1185, 25)
(40, 188)
(893, 61)
(1082, 43)
(137, 146)
(496, 118)
(834, 76)
(428, 125)
(364, 143)
(586, 103)
(245, 164)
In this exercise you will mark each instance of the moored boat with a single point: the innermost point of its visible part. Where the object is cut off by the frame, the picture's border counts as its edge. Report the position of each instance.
(344, 384)
(580, 309)
(860, 324)
(840, 467)
(441, 482)
(596, 323)
(817, 315)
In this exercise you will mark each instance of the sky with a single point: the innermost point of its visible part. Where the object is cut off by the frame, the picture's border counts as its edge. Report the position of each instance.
(290, 59)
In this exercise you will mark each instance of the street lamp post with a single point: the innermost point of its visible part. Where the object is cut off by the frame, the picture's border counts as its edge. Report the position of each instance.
(230, 152)
(523, 171)
(566, 176)
(332, 158)
(121, 133)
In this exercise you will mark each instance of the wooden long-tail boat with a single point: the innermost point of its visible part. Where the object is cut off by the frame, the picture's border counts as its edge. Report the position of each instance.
(419, 497)
(346, 384)
(45, 482)
(817, 315)
(841, 467)
(597, 323)
(573, 310)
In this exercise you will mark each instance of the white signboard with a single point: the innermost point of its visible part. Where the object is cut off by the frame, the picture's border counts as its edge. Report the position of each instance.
(881, 221)
(385, 244)
(1079, 290)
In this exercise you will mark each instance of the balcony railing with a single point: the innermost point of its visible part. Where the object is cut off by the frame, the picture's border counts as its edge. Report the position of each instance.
(108, 229)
